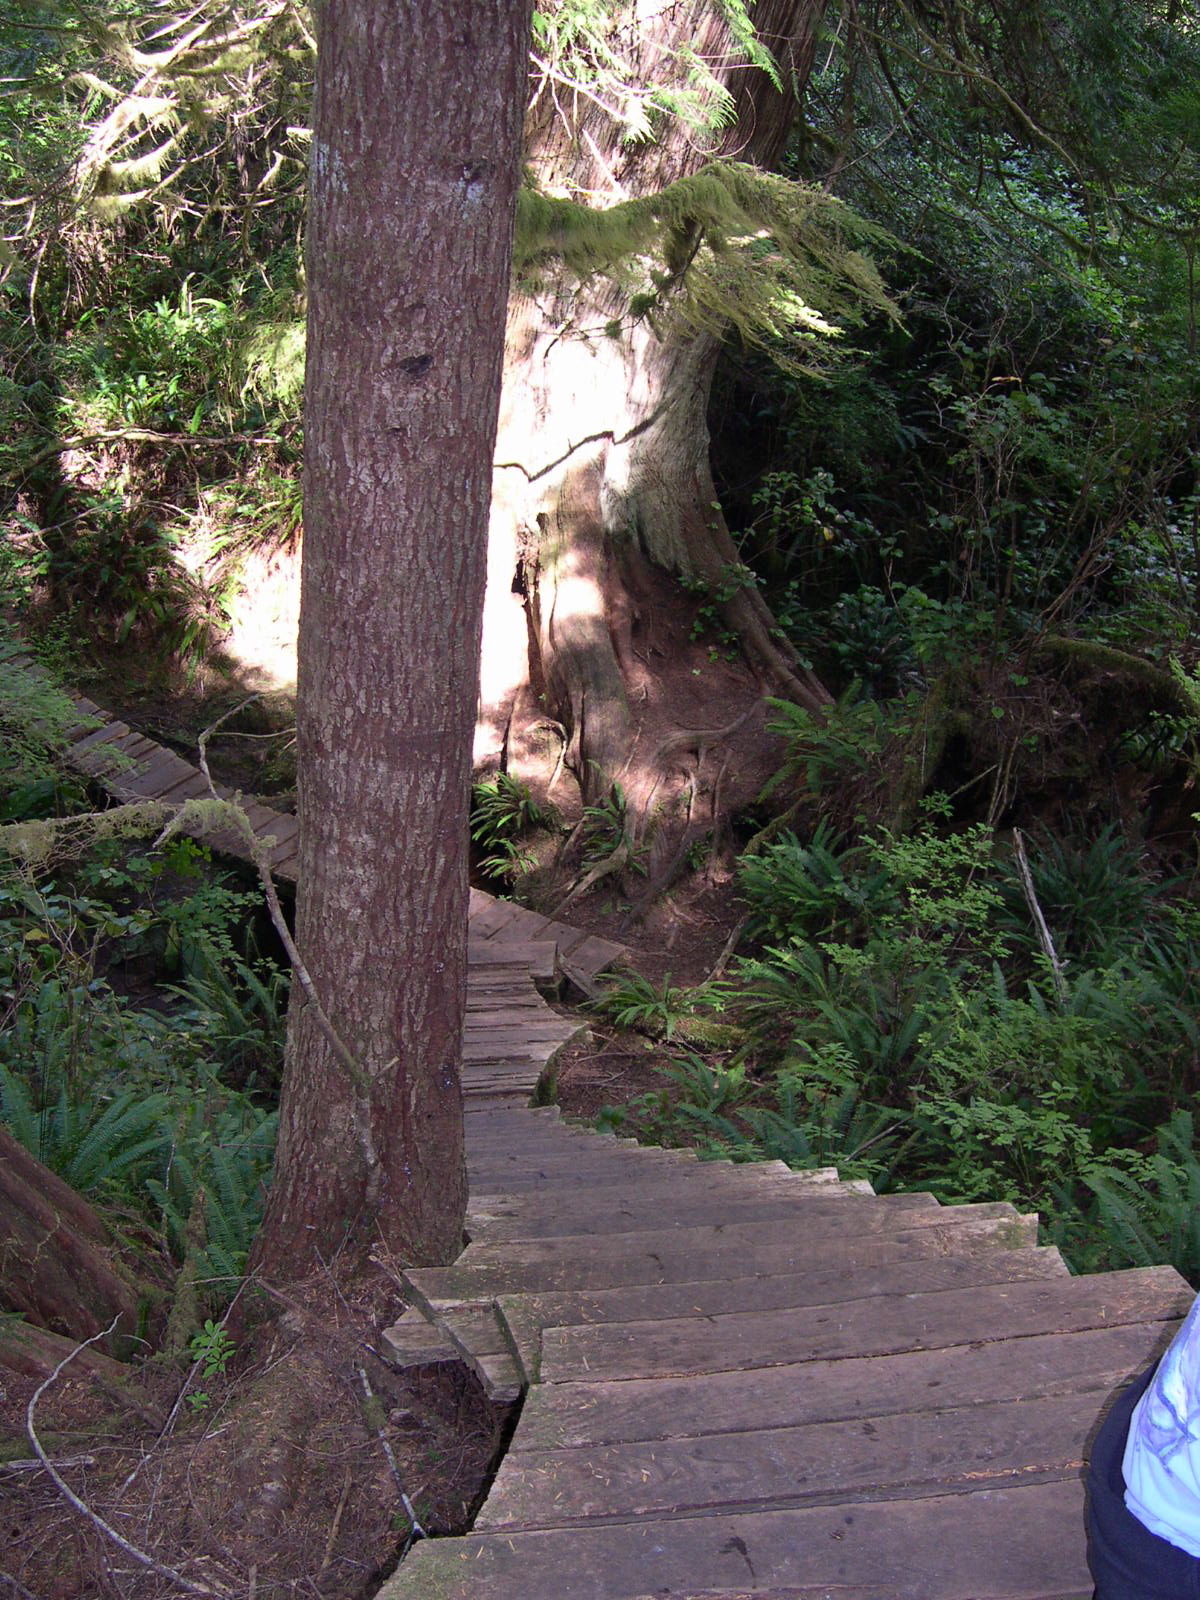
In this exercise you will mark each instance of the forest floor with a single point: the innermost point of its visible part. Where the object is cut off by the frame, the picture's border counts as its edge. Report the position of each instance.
(278, 1476)
(284, 1480)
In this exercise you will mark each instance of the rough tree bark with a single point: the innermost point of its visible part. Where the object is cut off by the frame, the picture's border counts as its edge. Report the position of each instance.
(57, 1267)
(602, 457)
(414, 171)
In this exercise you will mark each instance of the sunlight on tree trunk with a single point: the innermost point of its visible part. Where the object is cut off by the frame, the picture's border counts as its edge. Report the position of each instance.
(602, 457)
(414, 172)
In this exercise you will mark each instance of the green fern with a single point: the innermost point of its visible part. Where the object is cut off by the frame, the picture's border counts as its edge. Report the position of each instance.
(1149, 1207)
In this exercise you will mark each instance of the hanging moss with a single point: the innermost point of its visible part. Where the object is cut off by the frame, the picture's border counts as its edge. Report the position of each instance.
(729, 245)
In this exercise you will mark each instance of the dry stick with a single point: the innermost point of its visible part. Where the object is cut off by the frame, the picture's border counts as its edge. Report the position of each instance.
(72, 1499)
(353, 1068)
(1039, 921)
(142, 436)
(337, 1522)
(34, 1465)
(417, 1531)
(729, 947)
(25, 1594)
(615, 861)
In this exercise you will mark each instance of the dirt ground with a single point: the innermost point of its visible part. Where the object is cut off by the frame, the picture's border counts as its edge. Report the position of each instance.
(281, 1477)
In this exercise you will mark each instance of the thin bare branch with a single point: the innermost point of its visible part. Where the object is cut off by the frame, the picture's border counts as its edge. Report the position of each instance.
(84, 1510)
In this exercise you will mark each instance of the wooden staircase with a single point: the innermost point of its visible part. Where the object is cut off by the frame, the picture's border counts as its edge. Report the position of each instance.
(740, 1380)
(737, 1381)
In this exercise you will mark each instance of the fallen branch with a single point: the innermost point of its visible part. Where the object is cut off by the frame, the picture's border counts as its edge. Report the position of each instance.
(729, 947)
(1039, 921)
(180, 1397)
(416, 1531)
(85, 1511)
(25, 1594)
(347, 1480)
(615, 861)
(77, 441)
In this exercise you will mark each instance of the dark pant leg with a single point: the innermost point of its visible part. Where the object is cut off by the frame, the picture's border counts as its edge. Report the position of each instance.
(1128, 1561)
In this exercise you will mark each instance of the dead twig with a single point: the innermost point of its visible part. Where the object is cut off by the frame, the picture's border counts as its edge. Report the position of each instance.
(727, 950)
(337, 1522)
(25, 1594)
(173, 1414)
(1039, 921)
(416, 1531)
(615, 861)
(84, 1510)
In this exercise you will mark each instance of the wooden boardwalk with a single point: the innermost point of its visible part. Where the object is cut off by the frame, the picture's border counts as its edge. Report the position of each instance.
(737, 1381)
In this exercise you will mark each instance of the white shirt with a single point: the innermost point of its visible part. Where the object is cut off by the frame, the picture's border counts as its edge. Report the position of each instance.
(1162, 1454)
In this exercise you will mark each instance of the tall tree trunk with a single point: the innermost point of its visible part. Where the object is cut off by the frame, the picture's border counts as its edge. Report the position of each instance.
(602, 468)
(414, 171)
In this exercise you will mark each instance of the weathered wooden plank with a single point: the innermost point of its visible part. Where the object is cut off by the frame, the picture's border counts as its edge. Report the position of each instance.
(532, 1023)
(983, 1313)
(1098, 1362)
(526, 1315)
(693, 1255)
(286, 864)
(533, 1164)
(480, 1340)
(190, 786)
(164, 770)
(823, 1223)
(490, 920)
(911, 1453)
(105, 735)
(284, 826)
(647, 1302)
(646, 1205)
(137, 747)
(502, 961)
(1003, 1544)
(411, 1341)
(512, 1178)
(594, 955)
(265, 820)
(517, 1041)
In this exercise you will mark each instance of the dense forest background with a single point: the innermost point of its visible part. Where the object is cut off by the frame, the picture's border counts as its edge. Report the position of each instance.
(961, 479)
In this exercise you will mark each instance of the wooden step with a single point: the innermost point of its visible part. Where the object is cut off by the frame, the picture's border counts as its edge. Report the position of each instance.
(847, 1223)
(663, 1301)
(913, 1453)
(414, 1341)
(648, 1207)
(1022, 1543)
(517, 1175)
(471, 1334)
(698, 1254)
(526, 1316)
(1098, 1362)
(478, 1335)
(981, 1314)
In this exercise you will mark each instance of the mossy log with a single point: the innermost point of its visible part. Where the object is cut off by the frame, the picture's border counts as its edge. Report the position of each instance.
(1160, 681)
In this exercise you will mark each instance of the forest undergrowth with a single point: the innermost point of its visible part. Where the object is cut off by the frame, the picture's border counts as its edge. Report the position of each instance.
(952, 944)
